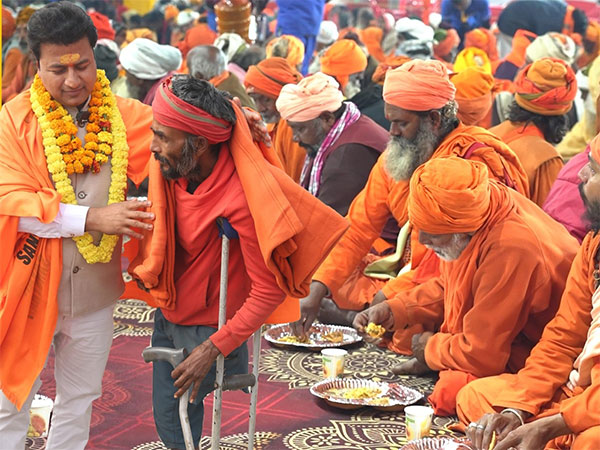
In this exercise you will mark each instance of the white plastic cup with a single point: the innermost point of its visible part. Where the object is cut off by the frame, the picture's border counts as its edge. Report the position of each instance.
(333, 362)
(418, 421)
(39, 416)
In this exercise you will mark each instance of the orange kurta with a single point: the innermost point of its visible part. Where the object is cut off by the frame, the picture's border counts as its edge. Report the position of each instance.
(28, 305)
(539, 158)
(290, 153)
(551, 361)
(383, 196)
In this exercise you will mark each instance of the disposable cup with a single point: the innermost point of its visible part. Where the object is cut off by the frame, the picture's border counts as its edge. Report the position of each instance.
(39, 416)
(333, 362)
(418, 421)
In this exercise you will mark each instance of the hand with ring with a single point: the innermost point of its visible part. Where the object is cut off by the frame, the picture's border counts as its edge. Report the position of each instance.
(481, 433)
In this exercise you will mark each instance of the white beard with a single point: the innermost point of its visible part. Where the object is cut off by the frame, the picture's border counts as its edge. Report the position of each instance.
(403, 156)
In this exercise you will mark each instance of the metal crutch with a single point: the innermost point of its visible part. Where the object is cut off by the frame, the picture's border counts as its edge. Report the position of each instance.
(175, 357)
(236, 381)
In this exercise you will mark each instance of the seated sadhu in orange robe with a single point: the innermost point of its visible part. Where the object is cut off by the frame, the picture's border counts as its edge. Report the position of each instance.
(420, 106)
(207, 170)
(557, 393)
(263, 83)
(503, 269)
(475, 96)
(538, 119)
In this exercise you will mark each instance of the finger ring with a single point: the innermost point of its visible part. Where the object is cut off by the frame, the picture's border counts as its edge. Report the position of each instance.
(472, 424)
(479, 427)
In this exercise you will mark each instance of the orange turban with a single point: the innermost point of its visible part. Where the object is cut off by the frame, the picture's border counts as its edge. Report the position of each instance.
(445, 46)
(24, 15)
(483, 39)
(418, 86)
(309, 98)
(442, 204)
(547, 87)
(8, 24)
(171, 12)
(391, 62)
(342, 59)
(200, 34)
(270, 75)
(472, 57)
(371, 37)
(288, 47)
(473, 94)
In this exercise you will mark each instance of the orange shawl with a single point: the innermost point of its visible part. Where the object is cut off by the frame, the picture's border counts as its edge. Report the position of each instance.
(288, 223)
(31, 267)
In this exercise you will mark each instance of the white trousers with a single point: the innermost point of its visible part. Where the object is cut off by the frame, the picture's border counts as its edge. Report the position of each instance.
(81, 347)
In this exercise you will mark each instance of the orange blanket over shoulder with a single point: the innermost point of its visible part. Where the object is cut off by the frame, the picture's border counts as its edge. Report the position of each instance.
(295, 230)
(31, 267)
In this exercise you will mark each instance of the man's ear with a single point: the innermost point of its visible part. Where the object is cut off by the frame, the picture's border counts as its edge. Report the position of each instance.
(328, 118)
(201, 145)
(436, 118)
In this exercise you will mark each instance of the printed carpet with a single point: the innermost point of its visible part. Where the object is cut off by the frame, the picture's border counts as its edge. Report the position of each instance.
(289, 417)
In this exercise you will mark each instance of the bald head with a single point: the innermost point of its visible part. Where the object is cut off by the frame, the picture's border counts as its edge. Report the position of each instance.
(205, 62)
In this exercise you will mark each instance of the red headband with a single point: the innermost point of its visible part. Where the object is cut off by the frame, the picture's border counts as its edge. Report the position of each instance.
(169, 110)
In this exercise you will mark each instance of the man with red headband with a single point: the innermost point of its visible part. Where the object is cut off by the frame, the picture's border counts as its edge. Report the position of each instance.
(420, 105)
(537, 120)
(553, 401)
(207, 170)
(488, 311)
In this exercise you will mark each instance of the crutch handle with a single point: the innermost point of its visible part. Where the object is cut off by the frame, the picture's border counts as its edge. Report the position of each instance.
(172, 355)
(240, 381)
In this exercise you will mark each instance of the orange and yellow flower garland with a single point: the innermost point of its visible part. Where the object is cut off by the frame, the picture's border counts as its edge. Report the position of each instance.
(106, 137)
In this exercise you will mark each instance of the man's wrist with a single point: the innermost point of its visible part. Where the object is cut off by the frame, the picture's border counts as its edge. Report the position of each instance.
(515, 413)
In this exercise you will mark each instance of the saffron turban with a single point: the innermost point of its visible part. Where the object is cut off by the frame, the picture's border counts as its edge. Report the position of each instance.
(170, 111)
(472, 57)
(288, 47)
(371, 37)
(309, 98)
(483, 39)
(270, 75)
(391, 62)
(473, 94)
(8, 24)
(552, 45)
(328, 33)
(443, 204)
(447, 43)
(418, 86)
(148, 60)
(103, 26)
(547, 87)
(171, 12)
(343, 59)
(24, 15)
(200, 34)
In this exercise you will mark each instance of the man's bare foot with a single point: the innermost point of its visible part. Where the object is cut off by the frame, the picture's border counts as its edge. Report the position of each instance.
(411, 367)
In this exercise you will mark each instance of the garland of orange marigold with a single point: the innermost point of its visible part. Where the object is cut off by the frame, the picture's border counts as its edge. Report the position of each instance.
(106, 137)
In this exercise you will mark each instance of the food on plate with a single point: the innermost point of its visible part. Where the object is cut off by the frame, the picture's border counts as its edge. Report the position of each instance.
(291, 339)
(374, 330)
(333, 336)
(358, 393)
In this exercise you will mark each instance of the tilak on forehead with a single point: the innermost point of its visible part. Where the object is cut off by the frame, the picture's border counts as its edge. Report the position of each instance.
(69, 58)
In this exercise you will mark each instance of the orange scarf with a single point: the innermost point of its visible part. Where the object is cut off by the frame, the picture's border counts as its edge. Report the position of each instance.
(288, 221)
(30, 267)
(216, 81)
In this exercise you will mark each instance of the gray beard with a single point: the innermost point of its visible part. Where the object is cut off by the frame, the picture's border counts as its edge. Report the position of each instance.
(403, 156)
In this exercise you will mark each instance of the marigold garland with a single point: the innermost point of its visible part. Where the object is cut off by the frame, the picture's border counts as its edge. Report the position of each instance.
(106, 136)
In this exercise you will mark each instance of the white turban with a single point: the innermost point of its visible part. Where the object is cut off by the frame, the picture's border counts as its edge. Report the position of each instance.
(186, 17)
(414, 28)
(230, 44)
(328, 32)
(147, 60)
(552, 45)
